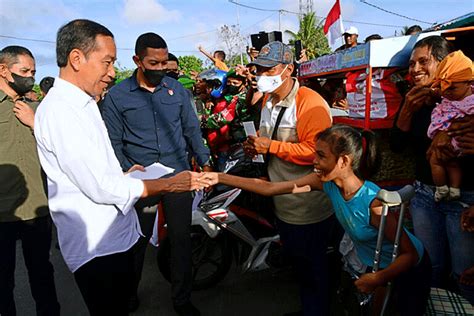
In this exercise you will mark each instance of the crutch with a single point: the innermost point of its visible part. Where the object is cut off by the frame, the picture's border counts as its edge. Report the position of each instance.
(388, 199)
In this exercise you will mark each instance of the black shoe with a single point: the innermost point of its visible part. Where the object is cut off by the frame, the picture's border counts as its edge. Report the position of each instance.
(187, 309)
(133, 303)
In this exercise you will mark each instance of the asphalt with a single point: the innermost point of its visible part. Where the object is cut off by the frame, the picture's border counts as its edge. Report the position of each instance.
(269, 292)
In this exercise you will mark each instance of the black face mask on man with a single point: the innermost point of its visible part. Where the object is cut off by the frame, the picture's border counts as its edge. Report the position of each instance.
(233, 90)
(172, 74)
(21, 84)
(154, 77)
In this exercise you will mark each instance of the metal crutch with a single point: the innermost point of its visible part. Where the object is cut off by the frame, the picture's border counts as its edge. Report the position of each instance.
(388, 199)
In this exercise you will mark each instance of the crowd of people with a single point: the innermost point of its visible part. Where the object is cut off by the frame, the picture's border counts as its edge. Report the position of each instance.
(64, 160)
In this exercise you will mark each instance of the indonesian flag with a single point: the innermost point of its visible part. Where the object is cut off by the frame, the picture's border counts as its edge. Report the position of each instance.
(333, 28)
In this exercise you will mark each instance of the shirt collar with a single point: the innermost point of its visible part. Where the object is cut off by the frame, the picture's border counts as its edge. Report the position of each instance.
(3, 96)
(73, 92)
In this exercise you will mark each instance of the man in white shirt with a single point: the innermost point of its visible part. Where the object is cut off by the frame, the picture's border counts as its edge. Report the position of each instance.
(91, 201)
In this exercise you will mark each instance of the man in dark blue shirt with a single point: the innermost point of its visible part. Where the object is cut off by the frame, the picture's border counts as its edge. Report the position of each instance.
(149, 118)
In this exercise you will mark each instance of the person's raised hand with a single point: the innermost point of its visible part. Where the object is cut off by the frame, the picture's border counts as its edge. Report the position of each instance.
(418, 97)
(24, 113)
(303, 57)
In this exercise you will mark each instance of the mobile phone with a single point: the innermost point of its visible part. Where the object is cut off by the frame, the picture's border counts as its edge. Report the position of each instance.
(298, 48)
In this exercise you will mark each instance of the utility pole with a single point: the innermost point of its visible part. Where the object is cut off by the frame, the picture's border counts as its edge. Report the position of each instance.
(279, 20)
(306, 6)
(238, 23)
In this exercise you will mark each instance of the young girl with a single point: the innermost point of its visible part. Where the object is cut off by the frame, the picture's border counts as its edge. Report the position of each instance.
(453, 77)
(342, 155)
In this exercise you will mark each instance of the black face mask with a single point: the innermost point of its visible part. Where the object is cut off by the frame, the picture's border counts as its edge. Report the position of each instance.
(233, 90)
(172, 74)
(154, 76)
(21, 84)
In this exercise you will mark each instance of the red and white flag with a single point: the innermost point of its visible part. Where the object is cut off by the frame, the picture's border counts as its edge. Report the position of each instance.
(333, 28)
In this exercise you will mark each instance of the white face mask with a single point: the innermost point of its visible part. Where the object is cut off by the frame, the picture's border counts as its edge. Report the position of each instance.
(268, 84)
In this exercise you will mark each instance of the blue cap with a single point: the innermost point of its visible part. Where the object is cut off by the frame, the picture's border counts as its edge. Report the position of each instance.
(272, 54)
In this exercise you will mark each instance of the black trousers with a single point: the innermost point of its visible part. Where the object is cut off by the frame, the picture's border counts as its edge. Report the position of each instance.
(177, 208)
(105, 282)
(35, 236)
(306, 247)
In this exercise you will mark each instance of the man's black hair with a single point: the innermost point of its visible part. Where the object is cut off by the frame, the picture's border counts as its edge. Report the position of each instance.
(413, 29)
(221, 53)
(438, 46)
(9, 55)
(372, 38)
(148, 40)
(78, 34)
(46, 83)
(172, 57)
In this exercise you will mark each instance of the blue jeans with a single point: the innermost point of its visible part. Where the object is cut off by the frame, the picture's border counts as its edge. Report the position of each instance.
(438, 226)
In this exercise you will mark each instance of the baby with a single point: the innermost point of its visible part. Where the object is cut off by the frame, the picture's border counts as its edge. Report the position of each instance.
(453, 77)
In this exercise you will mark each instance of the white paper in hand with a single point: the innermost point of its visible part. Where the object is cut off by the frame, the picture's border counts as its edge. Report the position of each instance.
(249, 128)
(154, 171)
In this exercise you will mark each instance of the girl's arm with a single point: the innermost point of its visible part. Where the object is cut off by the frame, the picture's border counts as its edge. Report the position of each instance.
(304, 184)
(407, 257)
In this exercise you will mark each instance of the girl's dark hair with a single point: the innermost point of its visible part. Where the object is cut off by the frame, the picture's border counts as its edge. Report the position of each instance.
(362, 146)
(438, 46)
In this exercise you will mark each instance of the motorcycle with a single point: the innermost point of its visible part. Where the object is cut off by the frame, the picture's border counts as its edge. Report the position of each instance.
(229, 225)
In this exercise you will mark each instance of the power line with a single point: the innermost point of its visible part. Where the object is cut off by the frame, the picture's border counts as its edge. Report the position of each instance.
(28, 39)
(375, 24)
(247, 27)
(319, 17)
(394, 13)
(261, 9)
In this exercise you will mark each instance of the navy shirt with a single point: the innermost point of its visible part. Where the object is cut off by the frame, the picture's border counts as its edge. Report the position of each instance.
(146, 127)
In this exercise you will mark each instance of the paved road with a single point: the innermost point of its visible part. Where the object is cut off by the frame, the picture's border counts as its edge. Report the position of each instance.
(264, 293)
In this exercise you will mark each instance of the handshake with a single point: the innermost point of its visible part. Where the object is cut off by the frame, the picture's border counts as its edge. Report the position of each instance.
(191, 181)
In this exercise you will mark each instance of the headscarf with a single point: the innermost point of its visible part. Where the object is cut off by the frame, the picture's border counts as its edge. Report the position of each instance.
(455, 67)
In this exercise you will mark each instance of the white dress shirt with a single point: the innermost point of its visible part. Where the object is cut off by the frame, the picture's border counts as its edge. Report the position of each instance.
(90, 199)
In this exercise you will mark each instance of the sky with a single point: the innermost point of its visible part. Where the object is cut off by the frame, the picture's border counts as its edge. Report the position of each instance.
(186, 24)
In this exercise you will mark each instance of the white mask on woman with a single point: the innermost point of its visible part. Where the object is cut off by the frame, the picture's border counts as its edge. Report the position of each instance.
(268, 84)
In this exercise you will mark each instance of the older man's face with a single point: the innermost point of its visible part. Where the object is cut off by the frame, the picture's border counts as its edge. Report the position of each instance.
(97, 71)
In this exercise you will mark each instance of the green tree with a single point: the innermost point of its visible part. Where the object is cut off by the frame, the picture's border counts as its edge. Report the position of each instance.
(229, 35)
(189, 63)
(122, 73)
(311, 35)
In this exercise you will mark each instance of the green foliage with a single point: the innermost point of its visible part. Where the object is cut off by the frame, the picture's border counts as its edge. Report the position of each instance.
(122, 73)
(37, 90)
(190, 63)
(311, 35)
(235, 60)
